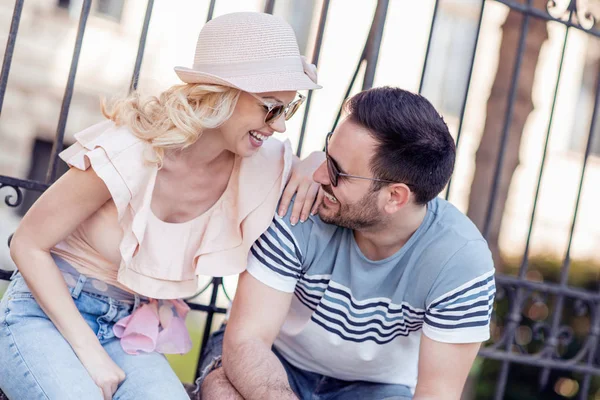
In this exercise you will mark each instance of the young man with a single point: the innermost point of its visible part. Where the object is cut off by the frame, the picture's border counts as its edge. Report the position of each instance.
(386, 294)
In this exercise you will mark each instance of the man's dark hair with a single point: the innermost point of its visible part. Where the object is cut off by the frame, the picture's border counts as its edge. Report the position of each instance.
(414, 144)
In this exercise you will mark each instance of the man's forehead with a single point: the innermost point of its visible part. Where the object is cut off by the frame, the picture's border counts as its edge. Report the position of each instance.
(351, 144)
(350, 135)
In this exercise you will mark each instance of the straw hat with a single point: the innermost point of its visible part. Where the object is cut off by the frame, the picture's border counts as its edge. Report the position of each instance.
(251, 51)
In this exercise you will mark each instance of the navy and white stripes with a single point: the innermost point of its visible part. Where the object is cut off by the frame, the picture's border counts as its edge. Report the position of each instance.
(334, 307)
(353, 318)
(467, 306)
(337, 311)
(376, 319)
(278, 250)
(310, 289)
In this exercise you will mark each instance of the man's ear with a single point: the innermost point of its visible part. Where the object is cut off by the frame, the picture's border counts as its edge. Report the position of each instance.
(398, 196)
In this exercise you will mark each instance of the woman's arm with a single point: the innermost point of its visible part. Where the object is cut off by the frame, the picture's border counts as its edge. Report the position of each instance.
(64, 206)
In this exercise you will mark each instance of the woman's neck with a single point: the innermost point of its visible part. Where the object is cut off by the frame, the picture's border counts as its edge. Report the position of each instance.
(209, 150)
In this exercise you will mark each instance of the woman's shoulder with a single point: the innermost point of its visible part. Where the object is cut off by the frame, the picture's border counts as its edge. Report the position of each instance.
(113, 138)
(118, 157)
(106, 141)
(273, 159)
(274, 152)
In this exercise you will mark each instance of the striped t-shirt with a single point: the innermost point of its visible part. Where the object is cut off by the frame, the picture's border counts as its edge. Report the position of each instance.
(356, 319)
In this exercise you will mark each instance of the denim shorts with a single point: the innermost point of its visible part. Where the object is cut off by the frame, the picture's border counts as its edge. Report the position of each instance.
(308, 385)
(36, 362)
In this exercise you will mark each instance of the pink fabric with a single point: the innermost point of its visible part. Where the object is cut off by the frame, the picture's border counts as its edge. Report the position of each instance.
(156, 326)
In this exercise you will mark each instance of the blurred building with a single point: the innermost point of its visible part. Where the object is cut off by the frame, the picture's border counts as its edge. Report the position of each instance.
(44, 49)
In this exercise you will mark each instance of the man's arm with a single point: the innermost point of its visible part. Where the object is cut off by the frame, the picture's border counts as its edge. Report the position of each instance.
(257, 314)
(443, 369)
(459, 307)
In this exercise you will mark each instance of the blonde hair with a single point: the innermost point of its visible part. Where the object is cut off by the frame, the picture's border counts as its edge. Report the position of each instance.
(176, 118)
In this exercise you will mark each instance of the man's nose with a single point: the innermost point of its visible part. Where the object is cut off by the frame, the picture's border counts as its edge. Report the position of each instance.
(321, 175)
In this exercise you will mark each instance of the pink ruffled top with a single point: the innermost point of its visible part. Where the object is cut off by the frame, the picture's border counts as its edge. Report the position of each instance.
(125, 245)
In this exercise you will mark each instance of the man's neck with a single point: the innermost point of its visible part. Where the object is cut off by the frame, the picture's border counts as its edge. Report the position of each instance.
(381, 242)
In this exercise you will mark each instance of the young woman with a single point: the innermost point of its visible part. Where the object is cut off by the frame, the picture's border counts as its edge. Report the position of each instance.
(166, 189)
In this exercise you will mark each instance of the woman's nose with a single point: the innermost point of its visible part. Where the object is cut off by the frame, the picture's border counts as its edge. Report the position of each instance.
(279, 124)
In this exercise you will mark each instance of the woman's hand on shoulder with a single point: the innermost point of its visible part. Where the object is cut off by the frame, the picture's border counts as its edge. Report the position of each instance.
(301, 184)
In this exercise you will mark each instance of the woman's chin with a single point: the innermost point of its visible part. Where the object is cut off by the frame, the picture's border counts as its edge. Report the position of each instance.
(248, 147)
(247, 151)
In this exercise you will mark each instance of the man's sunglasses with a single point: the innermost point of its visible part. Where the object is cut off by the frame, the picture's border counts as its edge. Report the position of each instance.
(276, 109)
(334, 170)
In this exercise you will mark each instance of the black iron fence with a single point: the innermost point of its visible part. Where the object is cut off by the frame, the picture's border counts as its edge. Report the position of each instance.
(514, 292)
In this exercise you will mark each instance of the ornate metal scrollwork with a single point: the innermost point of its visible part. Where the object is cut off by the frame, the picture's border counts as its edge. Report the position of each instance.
(522, 314)
(540, 330)
(9, 198)
(581, 307)
(574, 11)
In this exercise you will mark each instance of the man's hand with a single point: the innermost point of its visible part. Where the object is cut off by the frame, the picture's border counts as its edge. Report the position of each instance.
(443, 369)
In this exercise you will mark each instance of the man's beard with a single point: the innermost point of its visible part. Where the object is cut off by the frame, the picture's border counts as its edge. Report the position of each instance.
(360, 216)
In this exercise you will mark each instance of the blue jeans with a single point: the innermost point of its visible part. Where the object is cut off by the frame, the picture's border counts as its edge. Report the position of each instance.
(309, 385)
(36, 362)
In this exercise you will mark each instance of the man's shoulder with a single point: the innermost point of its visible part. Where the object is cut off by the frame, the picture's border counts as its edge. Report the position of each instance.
(450, 221)
(311, 230)
(447, 233)
(284, 251)
(452, 244)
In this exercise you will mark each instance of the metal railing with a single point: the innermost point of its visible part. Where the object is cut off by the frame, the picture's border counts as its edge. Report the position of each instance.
(515, 290)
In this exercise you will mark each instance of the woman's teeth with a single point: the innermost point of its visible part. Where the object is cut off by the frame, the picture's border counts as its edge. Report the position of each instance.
(330, 197)
(258, 136)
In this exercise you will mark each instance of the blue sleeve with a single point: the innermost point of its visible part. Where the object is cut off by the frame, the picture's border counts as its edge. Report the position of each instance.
(459, 304)
(277, 257)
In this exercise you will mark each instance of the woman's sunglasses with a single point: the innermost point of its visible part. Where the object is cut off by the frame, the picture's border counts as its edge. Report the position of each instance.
(276, 109)
(334, 170)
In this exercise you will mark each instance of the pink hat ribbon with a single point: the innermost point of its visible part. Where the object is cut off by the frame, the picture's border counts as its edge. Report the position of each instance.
(309, 69)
